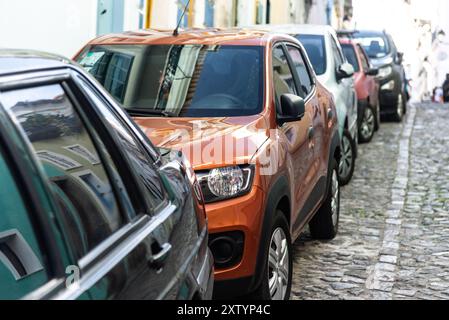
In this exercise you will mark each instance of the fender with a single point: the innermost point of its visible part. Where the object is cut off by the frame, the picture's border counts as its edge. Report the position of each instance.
(279, 190)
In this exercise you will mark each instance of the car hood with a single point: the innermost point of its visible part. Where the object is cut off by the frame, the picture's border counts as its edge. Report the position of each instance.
(208, 143)
(380, 62)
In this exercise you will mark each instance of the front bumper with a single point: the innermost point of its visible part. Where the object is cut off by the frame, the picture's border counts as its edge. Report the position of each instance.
(243, 215)
(389, 98)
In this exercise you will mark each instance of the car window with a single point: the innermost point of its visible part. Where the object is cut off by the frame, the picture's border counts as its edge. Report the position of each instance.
(336, 53)
(22, 268)
(316, 50)
(375, 45)
(282, 75)
(140, 160)
(184, 80)
(351, 56)
(301, 69)
(70, 161)
(363, 58)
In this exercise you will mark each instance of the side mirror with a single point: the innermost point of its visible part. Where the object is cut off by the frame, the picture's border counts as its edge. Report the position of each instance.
(346, 70)
(372, 72)
(293, 108)
(400, 58)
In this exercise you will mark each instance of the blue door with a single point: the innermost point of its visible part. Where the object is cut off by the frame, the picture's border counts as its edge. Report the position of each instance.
(209, 16)
(110, 16)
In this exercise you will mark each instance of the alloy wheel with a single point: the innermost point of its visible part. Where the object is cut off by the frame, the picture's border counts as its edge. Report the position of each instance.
(278, 265)
(368, 124)
(347, 159)
(335, 201)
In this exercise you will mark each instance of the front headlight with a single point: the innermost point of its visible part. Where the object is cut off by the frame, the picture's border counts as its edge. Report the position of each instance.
(225, 183)
(385, 72)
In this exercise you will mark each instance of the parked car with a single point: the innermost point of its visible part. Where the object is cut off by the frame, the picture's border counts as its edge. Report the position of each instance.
(336, 74)
(384, 55)
(367, 88)
(90, 209)
(256, 96)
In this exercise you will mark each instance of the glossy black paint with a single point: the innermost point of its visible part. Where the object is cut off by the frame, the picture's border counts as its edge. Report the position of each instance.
(160, 251)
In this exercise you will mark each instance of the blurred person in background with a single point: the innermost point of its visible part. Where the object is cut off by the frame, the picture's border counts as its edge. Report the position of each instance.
(446, 89)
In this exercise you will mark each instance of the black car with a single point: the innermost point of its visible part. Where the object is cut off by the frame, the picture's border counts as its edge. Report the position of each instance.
(385, 56)
(90, 209)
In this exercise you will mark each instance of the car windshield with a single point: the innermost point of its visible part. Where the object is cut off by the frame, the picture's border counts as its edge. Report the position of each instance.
(351, 55)
(180, 80)
(316, 50)
(376, 46)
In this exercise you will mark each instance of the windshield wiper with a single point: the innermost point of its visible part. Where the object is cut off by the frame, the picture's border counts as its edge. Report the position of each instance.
(136, 112)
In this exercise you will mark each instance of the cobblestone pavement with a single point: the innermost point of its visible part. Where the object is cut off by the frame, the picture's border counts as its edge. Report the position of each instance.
(393, 241)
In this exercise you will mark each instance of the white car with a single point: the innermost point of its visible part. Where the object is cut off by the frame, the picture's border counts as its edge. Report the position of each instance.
(334, 72)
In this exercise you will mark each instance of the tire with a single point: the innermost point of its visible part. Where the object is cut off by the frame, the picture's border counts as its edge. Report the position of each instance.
(368, 125)
(400, 109)
(347, 161)
(378, 120)
(279, 227)
(324, 225)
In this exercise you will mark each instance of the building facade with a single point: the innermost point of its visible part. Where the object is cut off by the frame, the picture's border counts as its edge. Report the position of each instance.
(63, 26)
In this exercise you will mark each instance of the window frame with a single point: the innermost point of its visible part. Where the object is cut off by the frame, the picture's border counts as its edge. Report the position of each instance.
(21, 168)
(308, 67)
(132, 131)
(281, 45)
(110, 251)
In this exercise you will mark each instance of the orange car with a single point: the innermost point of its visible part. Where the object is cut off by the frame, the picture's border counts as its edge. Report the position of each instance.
(259, 129)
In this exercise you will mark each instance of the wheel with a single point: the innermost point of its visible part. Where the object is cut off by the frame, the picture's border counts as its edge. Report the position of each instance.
(367, 127)
(378, 120)
(347, 161)
(277, 275)
(324, 225)
(400, 109)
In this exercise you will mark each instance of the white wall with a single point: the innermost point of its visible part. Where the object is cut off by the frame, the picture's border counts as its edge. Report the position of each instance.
(164, 14)
(59, 26)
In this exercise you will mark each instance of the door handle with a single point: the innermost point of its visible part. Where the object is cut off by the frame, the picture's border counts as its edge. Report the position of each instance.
(311, 133)
(158, 259)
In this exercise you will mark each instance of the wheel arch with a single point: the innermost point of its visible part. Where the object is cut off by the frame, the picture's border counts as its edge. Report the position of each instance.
(278, 198)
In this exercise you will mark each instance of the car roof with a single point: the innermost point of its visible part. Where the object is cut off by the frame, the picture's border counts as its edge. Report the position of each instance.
(204, 36)
(308, 29)
(19, 61)
(369, 32)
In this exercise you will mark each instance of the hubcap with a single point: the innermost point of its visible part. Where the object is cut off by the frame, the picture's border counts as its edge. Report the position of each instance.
(368, 124)
(346, 158)
(278, 265)
(335, 202)
(400, 108)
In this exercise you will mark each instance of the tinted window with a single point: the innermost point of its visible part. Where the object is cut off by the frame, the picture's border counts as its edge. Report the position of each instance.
(376, 46)
(182, 80)
(21, 261)
(282, 76)
(302, 71)
(316, 50)
(70, 161)
(140, 161)
(351, 56)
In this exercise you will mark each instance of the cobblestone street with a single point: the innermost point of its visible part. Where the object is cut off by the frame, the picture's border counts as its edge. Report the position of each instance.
(393, 241)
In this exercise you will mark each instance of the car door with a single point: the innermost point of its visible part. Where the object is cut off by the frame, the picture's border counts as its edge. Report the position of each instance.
(307, 88)
(348, 91)
(298, 135)
(372, 85)
(171, 247)
(33, 254)
(118, 242)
